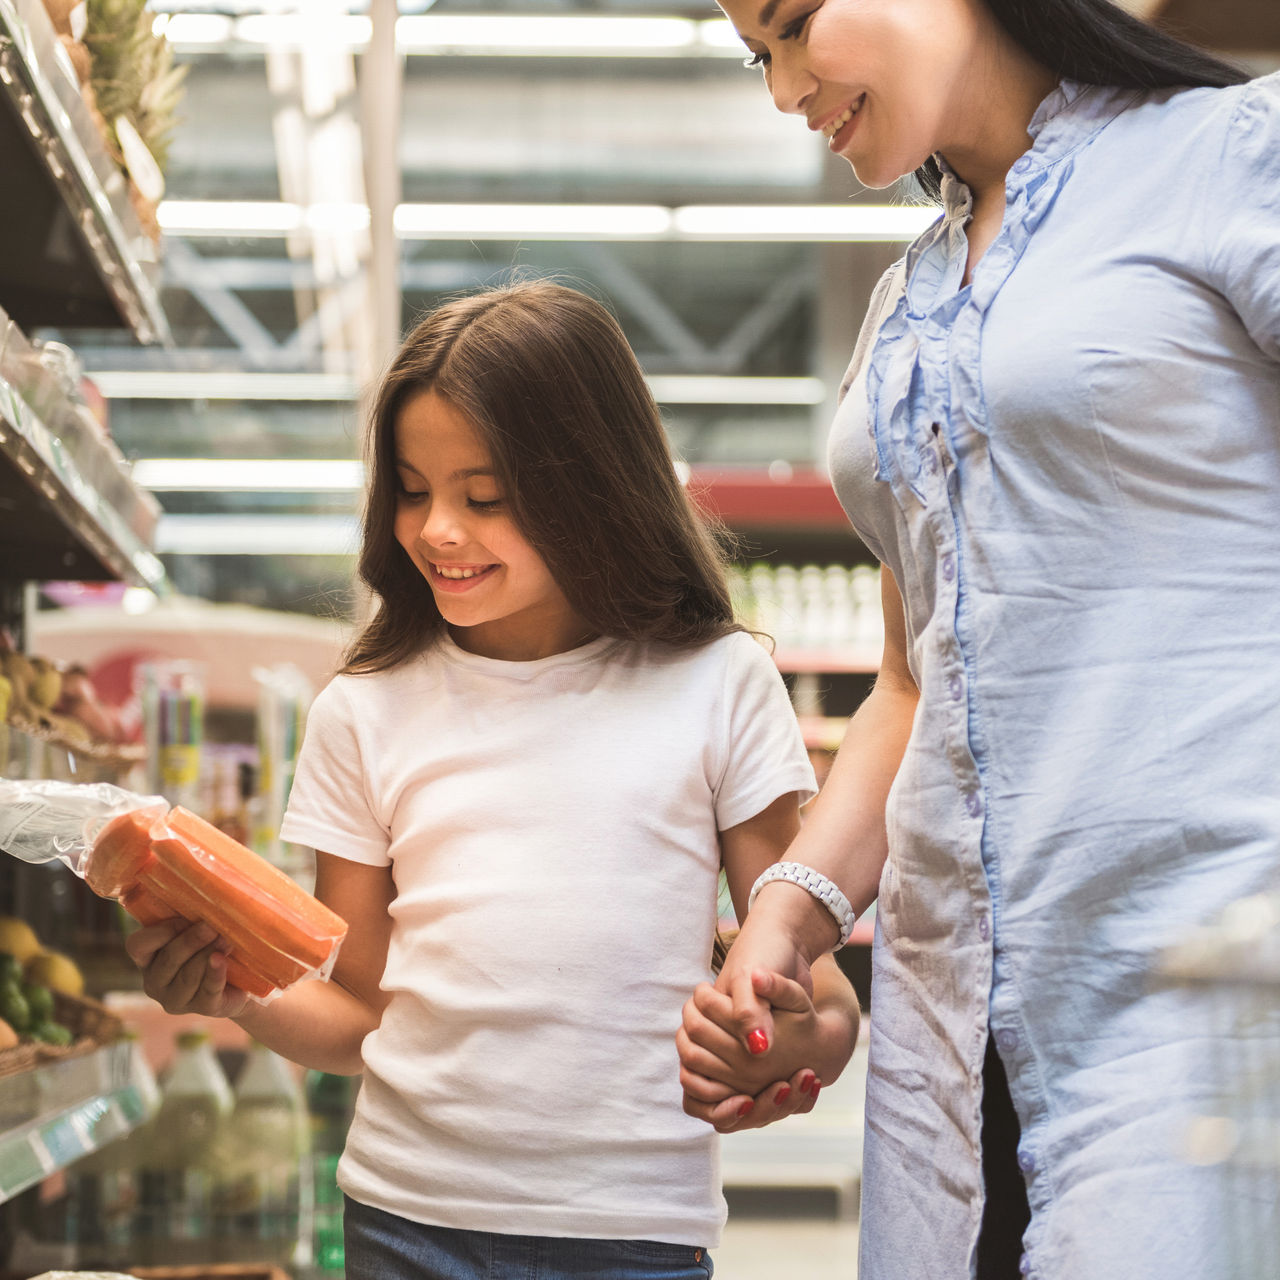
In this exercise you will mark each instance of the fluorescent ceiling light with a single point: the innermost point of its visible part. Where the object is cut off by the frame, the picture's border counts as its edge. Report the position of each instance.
(532, 221)
(229, 217)
(295, 30)
(241, 535)
(167, 384)
(488, 35)
(196, 385)
(707, 389)
(544, 33)
(249, 475)
(802, 222)
(188, 29)
(836, 222)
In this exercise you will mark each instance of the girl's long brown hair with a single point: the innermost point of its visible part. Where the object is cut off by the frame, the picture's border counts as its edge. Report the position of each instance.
(547, 379)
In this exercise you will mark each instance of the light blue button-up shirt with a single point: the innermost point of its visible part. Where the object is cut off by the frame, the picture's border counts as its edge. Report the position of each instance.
(1072, 467)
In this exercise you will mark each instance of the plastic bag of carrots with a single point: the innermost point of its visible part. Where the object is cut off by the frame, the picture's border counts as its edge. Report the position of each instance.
(160, 863)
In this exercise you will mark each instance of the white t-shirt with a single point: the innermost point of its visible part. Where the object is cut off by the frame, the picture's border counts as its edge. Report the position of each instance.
(551, 827)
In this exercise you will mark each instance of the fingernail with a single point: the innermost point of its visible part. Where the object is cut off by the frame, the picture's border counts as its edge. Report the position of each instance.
(807, 1081)
(782, 1095)
(817, 1085)
(757, 1041)
(745, 1109)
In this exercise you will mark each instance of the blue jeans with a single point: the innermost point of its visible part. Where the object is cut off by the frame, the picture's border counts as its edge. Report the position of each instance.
(382, 1246)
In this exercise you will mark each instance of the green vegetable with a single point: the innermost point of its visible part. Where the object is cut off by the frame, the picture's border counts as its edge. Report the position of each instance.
(39, 1001)
(10, 967)
(51, 1033)
(13, 1006)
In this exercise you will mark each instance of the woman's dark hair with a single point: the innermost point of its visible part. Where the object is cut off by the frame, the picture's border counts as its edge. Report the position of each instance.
(1096, 42)
(545, 376)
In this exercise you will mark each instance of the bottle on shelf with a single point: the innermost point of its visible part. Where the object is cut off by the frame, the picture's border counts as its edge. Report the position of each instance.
(262, 1199)
(105, 1188)
(329, 1099)
(175, 1213)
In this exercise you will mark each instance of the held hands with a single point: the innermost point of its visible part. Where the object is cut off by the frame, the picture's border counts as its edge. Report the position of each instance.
(732, 1087)
(184, 970)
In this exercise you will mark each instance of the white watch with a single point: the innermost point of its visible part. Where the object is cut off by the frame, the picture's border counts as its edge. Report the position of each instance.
(825, 890)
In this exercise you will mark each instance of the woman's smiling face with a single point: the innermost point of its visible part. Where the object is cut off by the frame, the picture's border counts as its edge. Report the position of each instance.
(885, 81)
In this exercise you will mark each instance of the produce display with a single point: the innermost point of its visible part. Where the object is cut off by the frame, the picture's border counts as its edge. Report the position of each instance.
(125, 70)
(161, 863)
(30, 980)
(60, 706)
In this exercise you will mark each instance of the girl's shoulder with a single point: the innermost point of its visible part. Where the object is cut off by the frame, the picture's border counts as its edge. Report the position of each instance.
(730, 661)
(357, 691)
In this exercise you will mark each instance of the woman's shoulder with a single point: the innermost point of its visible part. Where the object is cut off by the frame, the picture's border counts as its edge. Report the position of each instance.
(1236, 109)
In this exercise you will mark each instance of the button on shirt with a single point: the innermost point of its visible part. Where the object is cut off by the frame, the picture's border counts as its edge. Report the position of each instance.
(1091, 586)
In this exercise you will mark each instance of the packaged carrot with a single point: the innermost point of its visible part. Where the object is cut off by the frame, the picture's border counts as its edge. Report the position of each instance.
(160, 863)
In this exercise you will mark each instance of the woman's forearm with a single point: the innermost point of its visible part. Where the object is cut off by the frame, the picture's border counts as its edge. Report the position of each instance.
(316, 1024)
(844, 835)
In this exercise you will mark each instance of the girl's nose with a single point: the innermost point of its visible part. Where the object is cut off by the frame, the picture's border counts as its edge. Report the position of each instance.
(441, 527)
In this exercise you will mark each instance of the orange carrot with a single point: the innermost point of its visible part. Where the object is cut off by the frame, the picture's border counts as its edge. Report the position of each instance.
(311, 920)
(183, 866)
(121, 853)
(169, 885)
(146, 908)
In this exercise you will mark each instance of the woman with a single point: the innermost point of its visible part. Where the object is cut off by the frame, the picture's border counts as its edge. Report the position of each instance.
(1061, 436)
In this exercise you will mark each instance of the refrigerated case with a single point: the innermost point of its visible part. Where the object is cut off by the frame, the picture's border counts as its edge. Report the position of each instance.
(73, 253)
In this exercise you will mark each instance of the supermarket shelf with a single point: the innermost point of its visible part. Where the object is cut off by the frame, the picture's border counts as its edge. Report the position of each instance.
(823, 733)
(827, 661)
(777, 498)
(61, 1111)
(67, 508)
(74, 253)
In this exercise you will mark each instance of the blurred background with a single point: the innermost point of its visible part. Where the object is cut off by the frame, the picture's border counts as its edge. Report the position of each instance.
(218, 219)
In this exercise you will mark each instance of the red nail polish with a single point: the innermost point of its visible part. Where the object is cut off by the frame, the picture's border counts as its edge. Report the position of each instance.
(782, 1095)
(817, 1084)
(757, 1041)
(807, 1081)
(745, 1109)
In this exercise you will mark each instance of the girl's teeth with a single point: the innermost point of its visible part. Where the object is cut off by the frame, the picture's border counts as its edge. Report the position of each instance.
(457, 573)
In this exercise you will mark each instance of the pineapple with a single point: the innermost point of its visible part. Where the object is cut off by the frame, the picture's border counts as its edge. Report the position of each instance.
(133, 74)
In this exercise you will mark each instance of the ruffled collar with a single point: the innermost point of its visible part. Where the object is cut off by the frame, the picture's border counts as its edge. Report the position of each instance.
(1070, 115)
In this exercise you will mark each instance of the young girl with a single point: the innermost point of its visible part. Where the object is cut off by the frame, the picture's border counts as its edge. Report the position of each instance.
(521, 788)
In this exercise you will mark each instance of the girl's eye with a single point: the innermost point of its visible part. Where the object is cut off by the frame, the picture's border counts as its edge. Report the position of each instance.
(411, 495)
(490, 504)
(757, 60)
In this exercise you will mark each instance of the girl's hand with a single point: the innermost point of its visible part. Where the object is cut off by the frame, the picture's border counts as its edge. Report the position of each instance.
(183, 969)
(706, 1100)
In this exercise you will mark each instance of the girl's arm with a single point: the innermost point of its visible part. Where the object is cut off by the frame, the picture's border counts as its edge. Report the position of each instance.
(815, 1037)
(319, 1024)
(843, 837)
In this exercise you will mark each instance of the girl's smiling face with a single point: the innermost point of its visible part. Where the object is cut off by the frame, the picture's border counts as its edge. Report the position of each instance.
(492, 588)
(887, 82)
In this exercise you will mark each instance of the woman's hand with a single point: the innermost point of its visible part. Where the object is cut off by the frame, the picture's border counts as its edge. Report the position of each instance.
(765, 946)
(731, 1088)
(184, 970)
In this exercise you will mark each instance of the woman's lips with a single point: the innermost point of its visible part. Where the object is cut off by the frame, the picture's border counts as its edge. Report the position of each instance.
(841, 129)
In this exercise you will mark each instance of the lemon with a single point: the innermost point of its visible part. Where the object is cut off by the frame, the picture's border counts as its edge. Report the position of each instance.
(54, 970)
(18, 938)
